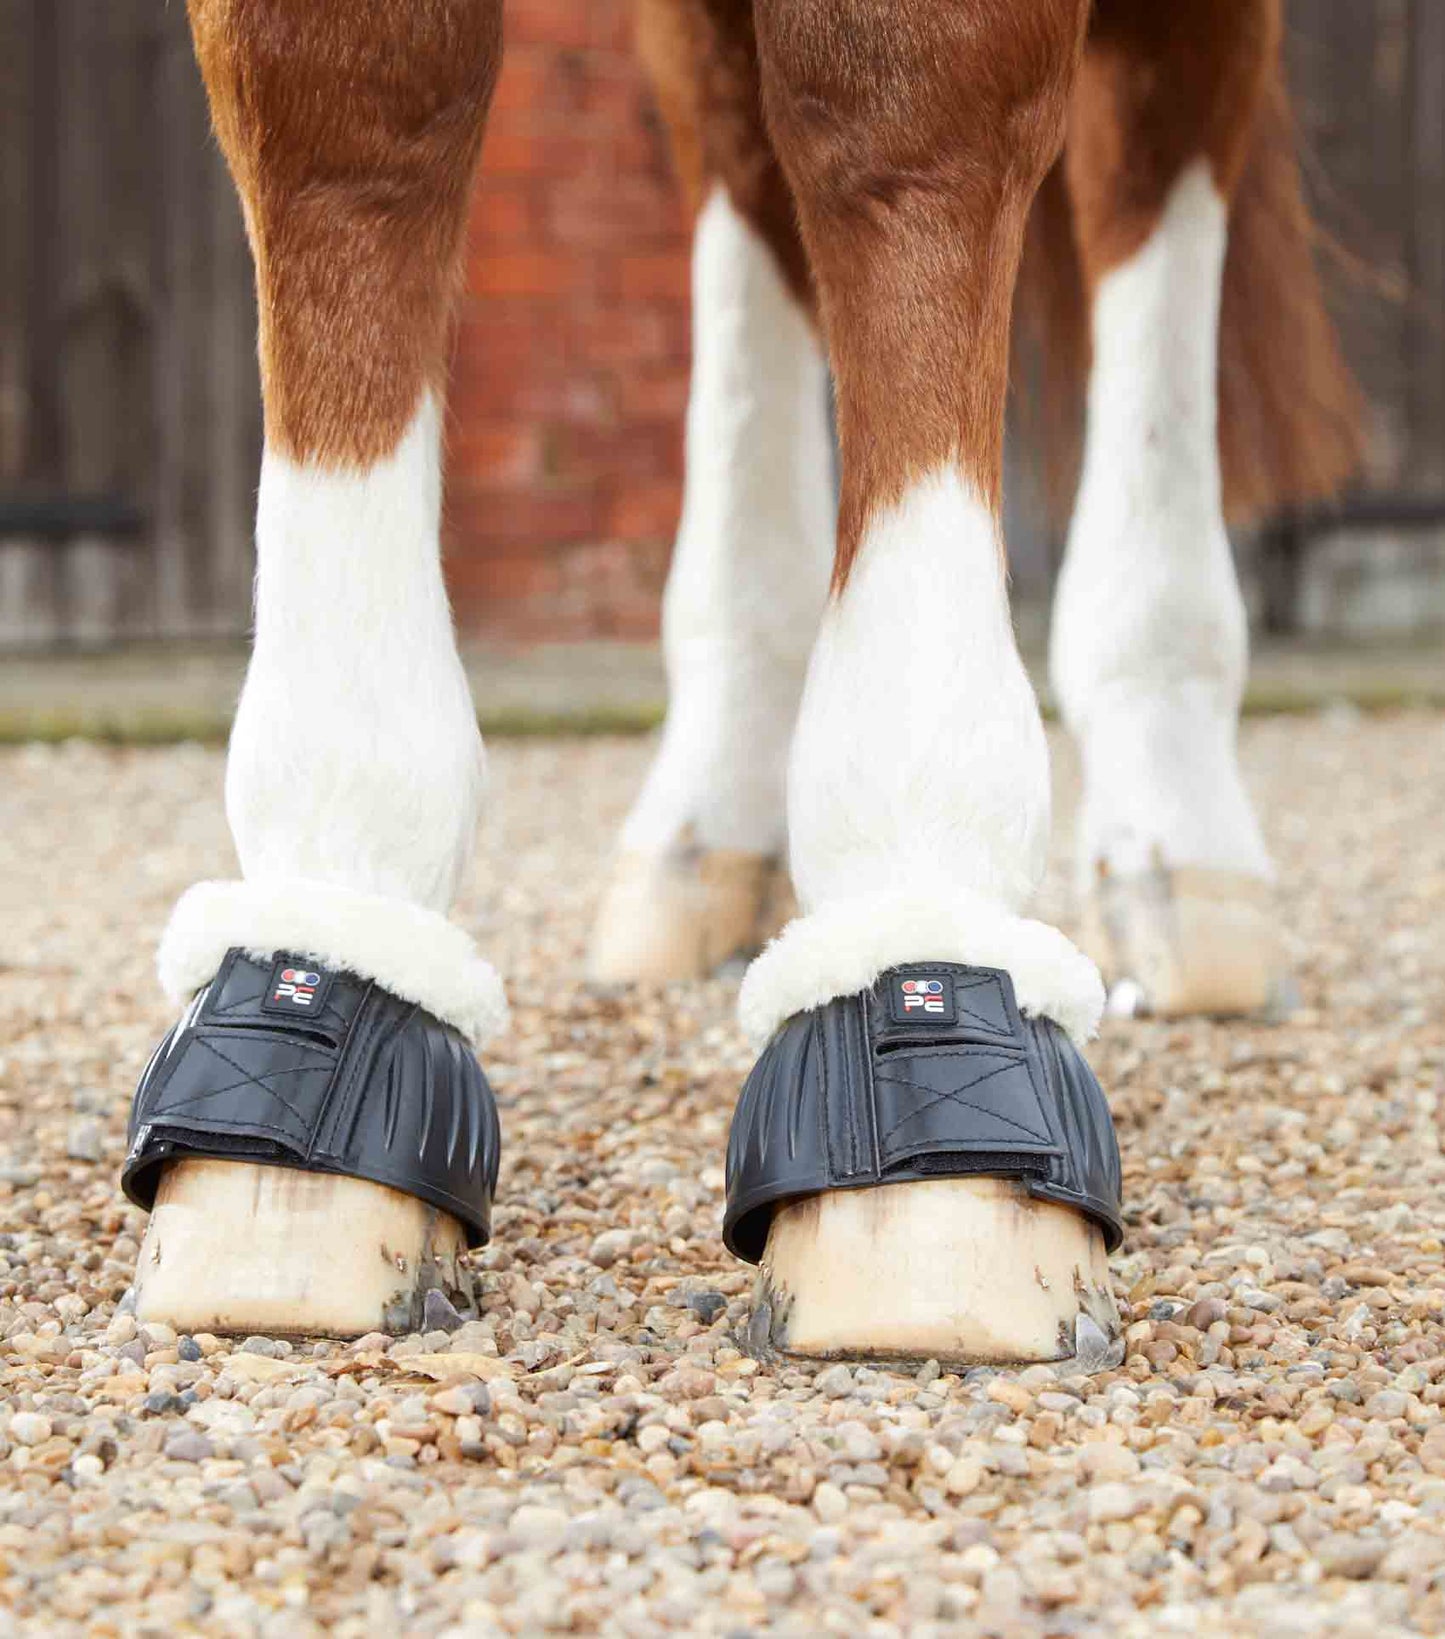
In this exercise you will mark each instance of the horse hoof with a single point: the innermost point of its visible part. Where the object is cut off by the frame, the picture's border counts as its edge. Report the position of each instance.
(233, 1247)
(317, 1156)
(684, 915)
(927, 1184)
(952, 1269)
(1172, 942)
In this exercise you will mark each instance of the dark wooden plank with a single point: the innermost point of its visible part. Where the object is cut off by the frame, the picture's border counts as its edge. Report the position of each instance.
(1347, 61)
(1426, 407)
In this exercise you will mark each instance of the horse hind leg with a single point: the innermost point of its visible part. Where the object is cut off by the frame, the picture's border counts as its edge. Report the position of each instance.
(1150, 638)
(315, 1140)
(699, 876)
(921, 1161)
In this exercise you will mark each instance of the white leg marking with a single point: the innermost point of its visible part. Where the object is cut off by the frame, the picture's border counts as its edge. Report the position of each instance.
(355, 757)
(355, 766)
(919, 785)
(750, 571)
(1149, 638)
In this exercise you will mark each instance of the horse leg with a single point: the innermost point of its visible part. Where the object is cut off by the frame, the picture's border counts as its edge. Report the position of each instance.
(699, 876)
(1150, 636)
(921, 1159)
(315, 1139)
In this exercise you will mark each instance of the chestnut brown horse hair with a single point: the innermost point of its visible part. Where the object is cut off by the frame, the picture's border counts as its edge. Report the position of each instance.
(702, 58)
(914, 139)
(353, 134)
(1159, 87)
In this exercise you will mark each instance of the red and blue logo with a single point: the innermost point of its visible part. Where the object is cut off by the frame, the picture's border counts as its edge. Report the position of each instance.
(923, 996)
(297, 986)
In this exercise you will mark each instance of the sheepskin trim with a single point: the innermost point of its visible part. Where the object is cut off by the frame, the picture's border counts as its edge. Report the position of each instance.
(410, 951)
(840, 949)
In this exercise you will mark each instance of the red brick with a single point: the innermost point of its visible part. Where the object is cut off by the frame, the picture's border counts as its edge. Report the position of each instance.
(529, 272)
(654, 277)
(509, 152)
(495, 452)
(552, 22)
(652, 394)
(645, 511)
(485, 519)
(571, 361)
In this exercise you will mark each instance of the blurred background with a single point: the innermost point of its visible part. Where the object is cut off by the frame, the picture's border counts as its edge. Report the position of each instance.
(130, 423)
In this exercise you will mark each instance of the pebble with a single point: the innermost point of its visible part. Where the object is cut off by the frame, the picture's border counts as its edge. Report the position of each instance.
(1101, 1460)
(85, 1141)
(1349, 1555)
(963, 1477)
(438, 1313)
(29, 1428)
(608, 1247)
(1112, 1501)
(188, 1447)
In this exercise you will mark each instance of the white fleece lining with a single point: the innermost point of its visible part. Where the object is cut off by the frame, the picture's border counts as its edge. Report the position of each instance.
(412, 952)
(842, 947)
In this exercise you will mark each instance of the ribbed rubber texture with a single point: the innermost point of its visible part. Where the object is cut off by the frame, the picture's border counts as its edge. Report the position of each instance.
(370, 1087)
(855, 1094)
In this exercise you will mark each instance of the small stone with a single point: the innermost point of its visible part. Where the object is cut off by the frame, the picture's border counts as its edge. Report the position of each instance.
(1203, 1314)
(1102, 1460)
(188, 1447)
(1015, 1396)
(609, 1246)
(438, 1313)
(965, 1476)
(1387, 1405)
(121, 1330)
(85, 1141)
(463, 1400)
(707, 1306)
(29, 1428)
(829, 1503)
(271, 1347)
(1112, 1501)
(836, 1382)
(1348, 1554)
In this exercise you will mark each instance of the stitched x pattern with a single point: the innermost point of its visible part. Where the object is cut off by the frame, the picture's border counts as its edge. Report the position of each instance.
(998, 1024)
(263, 1082)
(954, 1095)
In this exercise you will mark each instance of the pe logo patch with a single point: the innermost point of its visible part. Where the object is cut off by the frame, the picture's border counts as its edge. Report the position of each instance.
(296, 990)
(921, 998)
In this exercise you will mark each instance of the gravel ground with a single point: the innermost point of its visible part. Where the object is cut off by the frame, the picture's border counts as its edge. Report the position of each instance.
(597, 1453)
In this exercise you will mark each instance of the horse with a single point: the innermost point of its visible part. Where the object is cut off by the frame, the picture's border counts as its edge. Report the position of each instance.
(921, 1161)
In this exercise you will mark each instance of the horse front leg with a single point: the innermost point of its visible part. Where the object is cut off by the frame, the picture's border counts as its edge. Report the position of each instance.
(699, 877)
(921, 1159)
(315, 1139)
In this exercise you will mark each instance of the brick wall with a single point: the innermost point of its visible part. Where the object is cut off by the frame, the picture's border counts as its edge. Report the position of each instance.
(570, 375)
